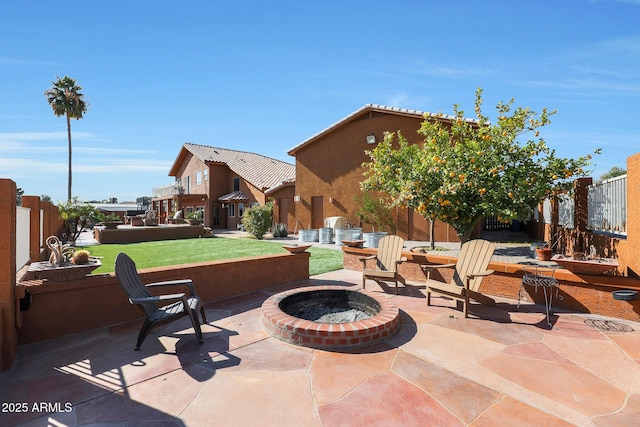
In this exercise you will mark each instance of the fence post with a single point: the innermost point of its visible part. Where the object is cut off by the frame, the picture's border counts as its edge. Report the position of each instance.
(8, 332)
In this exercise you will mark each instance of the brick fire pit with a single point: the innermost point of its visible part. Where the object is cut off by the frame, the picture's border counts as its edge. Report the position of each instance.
(383, 322)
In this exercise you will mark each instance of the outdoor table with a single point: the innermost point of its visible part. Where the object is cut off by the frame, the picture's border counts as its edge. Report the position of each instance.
(541, 276)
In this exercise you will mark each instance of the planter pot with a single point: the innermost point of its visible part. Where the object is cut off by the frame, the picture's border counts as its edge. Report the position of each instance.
(111, 225)
(347, 234)
(46, 270)
(582, 265)
(296, 249)
(353, 243)
(543, 254)
(371, 240)
(308, 235)
(326, 235)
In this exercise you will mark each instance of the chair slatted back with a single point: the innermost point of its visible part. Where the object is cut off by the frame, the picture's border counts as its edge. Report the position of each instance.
(389, 251)
(129, 279)
(474, 258)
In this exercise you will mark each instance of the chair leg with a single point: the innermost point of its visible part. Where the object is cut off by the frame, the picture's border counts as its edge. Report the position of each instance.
(193, 315)
(466, 306)
(144, 330)
(396, 286)
(204, 317)
(428, 296)
(364, 282)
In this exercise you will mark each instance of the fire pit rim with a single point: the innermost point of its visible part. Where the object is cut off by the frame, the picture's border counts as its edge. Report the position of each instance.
(306, 333)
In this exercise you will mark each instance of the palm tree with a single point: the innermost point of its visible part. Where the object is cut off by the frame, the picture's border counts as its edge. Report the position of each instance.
(66, 100)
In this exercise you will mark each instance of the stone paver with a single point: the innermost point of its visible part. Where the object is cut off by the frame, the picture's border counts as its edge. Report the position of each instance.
(498, 367)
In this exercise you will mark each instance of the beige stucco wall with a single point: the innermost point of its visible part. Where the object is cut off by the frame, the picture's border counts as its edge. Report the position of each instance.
(331, 167)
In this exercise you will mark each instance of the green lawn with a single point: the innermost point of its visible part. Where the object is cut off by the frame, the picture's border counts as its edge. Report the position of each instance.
(184, 251)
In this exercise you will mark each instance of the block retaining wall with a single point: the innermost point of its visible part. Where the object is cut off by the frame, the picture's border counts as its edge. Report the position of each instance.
(581, 293)
(62, 308)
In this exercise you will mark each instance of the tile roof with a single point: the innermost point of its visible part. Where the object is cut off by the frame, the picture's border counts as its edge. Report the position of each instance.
(261, 171)
(377, 108)
(232, 197)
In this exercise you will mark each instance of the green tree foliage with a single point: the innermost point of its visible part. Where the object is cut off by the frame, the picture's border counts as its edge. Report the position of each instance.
(613, 172)
(66, 100)
(77, 215)
(19, 193)
(466, 169)
(258, 219)
(372, 211)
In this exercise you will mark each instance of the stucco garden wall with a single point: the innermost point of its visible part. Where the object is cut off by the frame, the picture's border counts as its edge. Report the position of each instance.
(62, 308)
(581, 293)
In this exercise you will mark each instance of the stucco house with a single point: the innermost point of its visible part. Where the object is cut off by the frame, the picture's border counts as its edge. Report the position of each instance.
(219, 182)
(329, 170)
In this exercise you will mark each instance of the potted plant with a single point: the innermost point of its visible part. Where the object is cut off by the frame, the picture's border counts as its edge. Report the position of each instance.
(110, 221)
(372, 211)
(194, 217)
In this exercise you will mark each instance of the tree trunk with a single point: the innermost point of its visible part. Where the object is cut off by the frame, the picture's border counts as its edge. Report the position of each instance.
(432, 229)
(69, 138)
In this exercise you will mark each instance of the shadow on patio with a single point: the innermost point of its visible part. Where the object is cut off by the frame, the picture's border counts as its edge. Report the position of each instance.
(494, 367)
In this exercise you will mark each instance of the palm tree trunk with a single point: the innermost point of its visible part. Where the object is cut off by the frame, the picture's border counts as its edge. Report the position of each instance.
(69, 138)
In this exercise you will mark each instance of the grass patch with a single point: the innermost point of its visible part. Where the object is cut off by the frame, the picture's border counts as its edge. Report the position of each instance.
(185, 251)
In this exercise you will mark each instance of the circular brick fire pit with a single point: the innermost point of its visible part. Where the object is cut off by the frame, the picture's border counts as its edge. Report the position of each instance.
(301, 317)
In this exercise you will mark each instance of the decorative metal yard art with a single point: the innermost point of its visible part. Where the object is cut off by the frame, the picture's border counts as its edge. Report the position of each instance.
(59, 252)
(60, 267)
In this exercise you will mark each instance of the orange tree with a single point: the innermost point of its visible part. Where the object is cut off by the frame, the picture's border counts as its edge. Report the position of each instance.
(466, 169)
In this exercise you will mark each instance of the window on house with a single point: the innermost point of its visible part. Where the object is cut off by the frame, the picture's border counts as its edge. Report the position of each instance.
(205, 174)
(186, 184)
(198, 178)
(240, 210)
(232, 210)
(236, 184)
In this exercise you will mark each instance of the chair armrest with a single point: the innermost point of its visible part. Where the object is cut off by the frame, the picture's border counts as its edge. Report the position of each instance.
(187, 282)
(430, 266)
(365, 259)
(474, 275)
(480, 274)
(168, 297)
(427, 268)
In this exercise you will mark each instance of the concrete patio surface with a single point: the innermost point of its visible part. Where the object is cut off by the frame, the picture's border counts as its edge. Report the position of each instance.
(501, 366)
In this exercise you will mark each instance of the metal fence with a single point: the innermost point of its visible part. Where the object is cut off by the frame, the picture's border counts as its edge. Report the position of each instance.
(493, 223)
(607, 204)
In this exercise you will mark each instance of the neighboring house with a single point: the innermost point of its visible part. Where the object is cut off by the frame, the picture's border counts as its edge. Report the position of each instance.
(329, 170)
(219, 182)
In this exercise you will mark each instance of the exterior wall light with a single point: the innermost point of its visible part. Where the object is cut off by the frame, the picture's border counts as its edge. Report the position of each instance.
(297, 198)
(371, 139)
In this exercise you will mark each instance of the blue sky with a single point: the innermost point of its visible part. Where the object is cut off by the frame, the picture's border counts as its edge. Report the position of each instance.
(264, 76)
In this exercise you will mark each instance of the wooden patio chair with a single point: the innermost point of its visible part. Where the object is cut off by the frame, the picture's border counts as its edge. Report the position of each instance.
(469, 271)
(177, 305)
(176, 219)
(388, 259)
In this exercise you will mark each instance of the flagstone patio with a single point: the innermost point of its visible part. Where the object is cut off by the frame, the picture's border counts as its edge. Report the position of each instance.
(501, 366)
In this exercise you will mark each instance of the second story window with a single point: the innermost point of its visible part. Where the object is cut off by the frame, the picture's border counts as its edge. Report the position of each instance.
(236, 184)
(198, 178)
